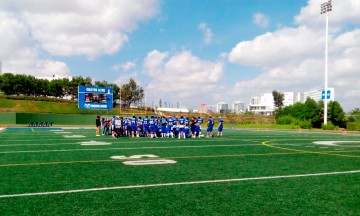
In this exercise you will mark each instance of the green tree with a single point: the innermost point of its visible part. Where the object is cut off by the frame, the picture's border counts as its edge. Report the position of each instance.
(71, 87)
(116, 89)
(278, 101)
(312, 112)
(131, 93)
(56, 88)
(355, 115)
(8, 83)
(41, 87)
(336, 114)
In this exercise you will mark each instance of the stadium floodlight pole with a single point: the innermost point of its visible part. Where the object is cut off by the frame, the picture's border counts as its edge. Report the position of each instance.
(326, 7)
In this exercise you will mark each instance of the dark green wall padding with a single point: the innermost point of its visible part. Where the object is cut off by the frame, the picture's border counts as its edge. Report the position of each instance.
(57, 119)
(7, 118)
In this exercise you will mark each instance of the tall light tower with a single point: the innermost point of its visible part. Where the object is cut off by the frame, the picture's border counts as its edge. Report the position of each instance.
(326, 7)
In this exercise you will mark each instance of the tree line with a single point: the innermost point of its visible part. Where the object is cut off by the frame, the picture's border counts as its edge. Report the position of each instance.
(309, 114)
(27, 85)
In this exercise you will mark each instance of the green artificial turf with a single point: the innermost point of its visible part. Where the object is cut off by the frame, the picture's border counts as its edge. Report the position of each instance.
(46, 161)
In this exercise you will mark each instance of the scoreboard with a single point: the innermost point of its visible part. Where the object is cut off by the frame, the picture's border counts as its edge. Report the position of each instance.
(96, 98)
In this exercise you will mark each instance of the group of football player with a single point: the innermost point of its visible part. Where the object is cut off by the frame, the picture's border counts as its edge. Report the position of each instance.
(160, 127)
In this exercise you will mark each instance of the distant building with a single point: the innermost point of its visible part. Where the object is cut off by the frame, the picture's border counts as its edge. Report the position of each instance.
(211, 109)
(318, 94)
(203, 108)
(263, 105)
(238, 107)
(222, 107)
(54, 77)
(164, 109)
(207, 108)
(290, 98)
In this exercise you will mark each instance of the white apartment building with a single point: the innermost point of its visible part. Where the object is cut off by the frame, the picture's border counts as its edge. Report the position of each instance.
(263, 105)
(290, 98)
(238, 107)
(319, 94)
(222, 107)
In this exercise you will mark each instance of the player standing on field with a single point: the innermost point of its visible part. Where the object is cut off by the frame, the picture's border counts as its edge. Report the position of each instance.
(98, 125)
(210, 126)
(170, 124)
(220, 127)
(198, 127)
(134, 127)
(181, 123)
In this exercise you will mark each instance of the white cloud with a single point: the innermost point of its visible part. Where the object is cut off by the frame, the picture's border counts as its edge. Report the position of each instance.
(283, 45)
(80, 27)
(125, 78)
(182, 75)
(19, 53)
(207, 33)
(292, 59)
(343, 13)
(261, 20)
(124, 67)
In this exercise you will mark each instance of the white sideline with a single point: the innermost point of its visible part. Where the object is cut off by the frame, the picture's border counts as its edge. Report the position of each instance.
(178, 183)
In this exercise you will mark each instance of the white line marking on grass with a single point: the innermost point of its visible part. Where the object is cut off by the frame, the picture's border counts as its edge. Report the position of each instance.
(180, 183)
(94, 143)
(129, 148)
(74, 136)
(56, 130)
(63, 132)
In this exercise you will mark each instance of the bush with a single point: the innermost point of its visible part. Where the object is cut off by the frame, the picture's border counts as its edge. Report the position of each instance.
(353, 126)
(287, 120)
(329, 126)
(305, 124)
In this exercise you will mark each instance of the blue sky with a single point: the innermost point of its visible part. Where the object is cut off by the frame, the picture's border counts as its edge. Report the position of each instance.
(187, 51)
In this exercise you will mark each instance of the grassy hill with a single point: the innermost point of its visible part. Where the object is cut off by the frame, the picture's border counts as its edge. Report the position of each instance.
(21, 105)
(56, 107)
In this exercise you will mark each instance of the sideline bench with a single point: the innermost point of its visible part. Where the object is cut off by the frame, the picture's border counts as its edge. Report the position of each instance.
(40, 124)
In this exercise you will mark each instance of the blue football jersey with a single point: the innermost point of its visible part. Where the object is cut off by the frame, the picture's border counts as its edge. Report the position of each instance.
(221, 122)
(210, 122)
(182, 121)
(170, 122)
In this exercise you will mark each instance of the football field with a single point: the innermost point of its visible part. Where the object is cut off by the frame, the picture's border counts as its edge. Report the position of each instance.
(70, 171)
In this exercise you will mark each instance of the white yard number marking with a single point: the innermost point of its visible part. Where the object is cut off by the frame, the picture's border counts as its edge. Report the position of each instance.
(134, 157)
(142, 162)
(148, 162)
(339, 143)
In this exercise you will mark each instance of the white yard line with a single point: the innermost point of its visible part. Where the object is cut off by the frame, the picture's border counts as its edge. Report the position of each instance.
(129, 148)
(180, 183)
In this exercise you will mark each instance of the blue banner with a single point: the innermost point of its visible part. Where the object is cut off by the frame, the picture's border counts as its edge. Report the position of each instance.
(327, 95)
(96, 98)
